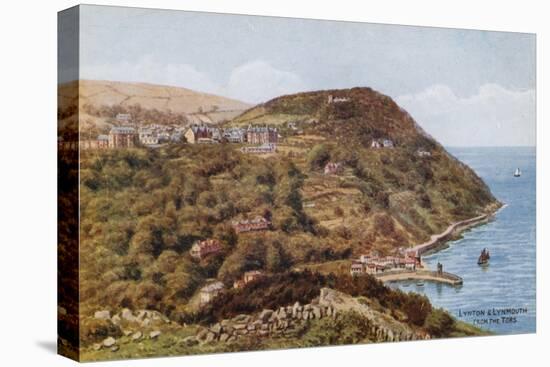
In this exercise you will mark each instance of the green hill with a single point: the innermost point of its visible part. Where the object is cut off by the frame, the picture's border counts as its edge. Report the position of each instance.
(384, 197)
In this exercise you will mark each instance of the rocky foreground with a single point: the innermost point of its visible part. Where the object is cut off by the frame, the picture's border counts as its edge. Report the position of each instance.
(285, 323)
(288, 321)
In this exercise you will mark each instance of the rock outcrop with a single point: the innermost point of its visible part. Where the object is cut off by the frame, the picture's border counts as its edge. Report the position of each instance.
(282, 322)
(287, 321)
(384, 327)
(140, 318)
(138, 325)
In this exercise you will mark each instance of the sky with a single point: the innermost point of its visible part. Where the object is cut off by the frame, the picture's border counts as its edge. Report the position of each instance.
(465, 88)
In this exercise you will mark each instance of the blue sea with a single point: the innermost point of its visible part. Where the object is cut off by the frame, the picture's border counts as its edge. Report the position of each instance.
(500, 297)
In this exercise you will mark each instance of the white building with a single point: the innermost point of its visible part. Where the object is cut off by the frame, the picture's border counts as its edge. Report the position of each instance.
(382, 143)
(356, 269)
(234, 135)
(148, 137)
(332, 99)
(423, 153)
(209, 292)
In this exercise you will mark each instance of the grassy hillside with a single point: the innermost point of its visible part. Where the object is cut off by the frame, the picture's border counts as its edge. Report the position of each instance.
(100, 101)
(384, 198)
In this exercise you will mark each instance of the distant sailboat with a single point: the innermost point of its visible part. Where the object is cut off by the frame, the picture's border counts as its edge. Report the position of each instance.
(517, 173)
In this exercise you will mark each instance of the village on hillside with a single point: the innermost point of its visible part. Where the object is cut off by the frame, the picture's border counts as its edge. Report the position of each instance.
(260, 139)
(255, 139)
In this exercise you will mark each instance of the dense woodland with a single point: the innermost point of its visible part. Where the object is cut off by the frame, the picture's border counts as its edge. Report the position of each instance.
(143, 209)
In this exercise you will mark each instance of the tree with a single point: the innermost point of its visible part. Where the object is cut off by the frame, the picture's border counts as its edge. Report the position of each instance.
(417, 308)
(439, 323)
(318, 157)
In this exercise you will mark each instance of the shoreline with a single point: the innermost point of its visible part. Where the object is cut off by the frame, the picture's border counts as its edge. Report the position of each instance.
(438, 242)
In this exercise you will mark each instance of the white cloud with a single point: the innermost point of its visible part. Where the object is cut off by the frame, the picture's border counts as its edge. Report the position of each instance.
(148, 70)
(258, 81)
(493, 116)
(253, 82)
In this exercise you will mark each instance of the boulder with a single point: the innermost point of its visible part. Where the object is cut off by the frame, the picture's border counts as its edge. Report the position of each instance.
(154, 334)
(210, 337)
(137, 335)
(115, 348)
(316, 312)
(126, 332)
(96, 346)
(239, 326)
(201, 335)
(265, 315)
(296, 308)
(257, 324)
(224, 337)
(102, 315)
(109, 342)
(282, 313)
(241, 318)
(127, 315)
(217, 328)
(116, 319)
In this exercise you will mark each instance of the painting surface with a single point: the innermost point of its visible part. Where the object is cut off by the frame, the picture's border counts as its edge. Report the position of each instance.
(251, 183)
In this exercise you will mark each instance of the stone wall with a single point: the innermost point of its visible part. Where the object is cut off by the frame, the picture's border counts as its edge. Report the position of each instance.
(283, 322)
(287, 322)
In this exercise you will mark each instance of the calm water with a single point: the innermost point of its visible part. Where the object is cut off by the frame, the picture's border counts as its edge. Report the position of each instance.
(509, 281)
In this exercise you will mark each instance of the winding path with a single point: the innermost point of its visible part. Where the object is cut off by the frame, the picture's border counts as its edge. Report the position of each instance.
(436, 239)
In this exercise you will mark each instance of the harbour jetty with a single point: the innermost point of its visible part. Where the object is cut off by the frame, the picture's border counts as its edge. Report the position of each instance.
(424, 275)
(433, 244)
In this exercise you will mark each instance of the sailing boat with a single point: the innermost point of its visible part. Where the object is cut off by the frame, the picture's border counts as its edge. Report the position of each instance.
(484, 257)
(517, 173)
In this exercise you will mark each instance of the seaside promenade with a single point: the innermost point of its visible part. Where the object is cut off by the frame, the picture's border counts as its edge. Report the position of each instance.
(437, 239)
